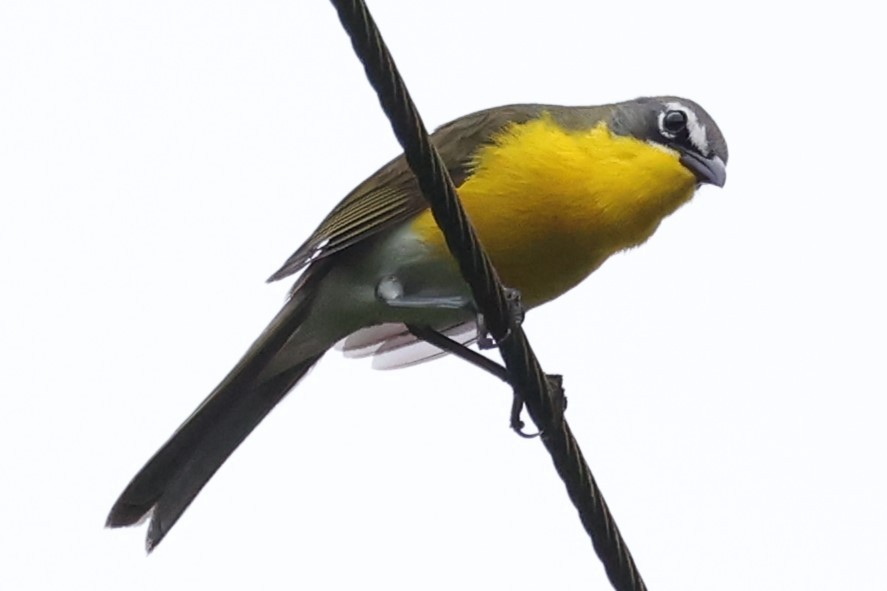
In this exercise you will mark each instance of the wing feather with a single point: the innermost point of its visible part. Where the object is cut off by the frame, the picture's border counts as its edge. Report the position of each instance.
(392, 196)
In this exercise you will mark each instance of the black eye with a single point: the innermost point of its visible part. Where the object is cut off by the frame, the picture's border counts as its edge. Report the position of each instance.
(674, 122)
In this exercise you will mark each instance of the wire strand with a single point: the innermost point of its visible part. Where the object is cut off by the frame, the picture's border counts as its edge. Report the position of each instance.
(526, 377)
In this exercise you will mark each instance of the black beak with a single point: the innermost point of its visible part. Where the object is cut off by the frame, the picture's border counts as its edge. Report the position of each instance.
(707, 170)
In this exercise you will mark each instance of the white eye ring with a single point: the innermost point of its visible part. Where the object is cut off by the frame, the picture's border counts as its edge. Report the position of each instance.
(672, 122)
(695, 129)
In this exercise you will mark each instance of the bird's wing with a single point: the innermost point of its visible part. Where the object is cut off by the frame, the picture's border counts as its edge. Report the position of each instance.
(392, 195)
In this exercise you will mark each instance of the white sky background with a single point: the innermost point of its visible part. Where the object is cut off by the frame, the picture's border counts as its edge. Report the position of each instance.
(726, 381)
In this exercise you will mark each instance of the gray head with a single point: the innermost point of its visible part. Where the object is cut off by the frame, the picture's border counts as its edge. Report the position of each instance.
(679, 124)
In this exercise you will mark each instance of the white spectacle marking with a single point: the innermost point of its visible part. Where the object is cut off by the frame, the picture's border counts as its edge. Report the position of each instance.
(698, 135)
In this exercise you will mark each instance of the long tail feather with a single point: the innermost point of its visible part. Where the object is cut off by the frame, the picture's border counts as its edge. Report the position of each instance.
(171, 479)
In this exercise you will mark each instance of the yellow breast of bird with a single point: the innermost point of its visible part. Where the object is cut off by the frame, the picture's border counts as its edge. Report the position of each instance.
(550, 205)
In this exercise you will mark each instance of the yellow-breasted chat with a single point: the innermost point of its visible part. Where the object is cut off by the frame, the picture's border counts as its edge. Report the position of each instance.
(552, 191)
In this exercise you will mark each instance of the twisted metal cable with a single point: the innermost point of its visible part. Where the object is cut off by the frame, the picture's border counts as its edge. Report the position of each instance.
(541, 396)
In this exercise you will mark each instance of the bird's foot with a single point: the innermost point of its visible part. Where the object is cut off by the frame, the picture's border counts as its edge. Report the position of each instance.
(559, 402)
(515, 309)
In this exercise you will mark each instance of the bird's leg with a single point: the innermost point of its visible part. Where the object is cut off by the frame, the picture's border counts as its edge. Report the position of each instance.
(515, 310)
(390, 290)
(486, 341)
(447, 344)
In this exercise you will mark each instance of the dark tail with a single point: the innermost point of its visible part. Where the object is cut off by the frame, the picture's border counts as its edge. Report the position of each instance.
(171, 479)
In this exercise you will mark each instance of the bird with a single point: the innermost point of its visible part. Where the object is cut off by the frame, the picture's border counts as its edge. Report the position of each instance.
(552, 191)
